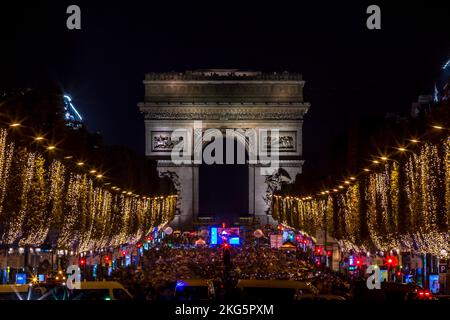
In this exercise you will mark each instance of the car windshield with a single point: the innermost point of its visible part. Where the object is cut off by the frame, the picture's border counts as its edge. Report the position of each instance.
(94, 294)
(13, 296)
(120, 294)
(49, 293)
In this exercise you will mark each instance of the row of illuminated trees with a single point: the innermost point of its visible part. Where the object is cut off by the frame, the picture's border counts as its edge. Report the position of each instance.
(63, 188)
(401, 203)
(38, 113)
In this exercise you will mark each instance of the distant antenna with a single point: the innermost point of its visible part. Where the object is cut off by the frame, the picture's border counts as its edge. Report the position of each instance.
(71, 114)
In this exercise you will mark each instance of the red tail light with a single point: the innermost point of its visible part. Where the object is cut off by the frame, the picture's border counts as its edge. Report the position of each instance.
(424, 294)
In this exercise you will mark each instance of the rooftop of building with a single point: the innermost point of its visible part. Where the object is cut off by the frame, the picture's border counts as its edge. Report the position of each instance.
(223, 74)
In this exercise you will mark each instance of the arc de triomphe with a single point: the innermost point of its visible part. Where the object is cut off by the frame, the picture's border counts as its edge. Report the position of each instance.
(223, 99)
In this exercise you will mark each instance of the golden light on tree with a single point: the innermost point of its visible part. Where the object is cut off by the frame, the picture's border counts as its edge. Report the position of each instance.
(41, 196)
(403, 205)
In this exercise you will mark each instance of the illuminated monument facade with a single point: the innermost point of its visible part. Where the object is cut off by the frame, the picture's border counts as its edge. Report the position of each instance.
(224, 99)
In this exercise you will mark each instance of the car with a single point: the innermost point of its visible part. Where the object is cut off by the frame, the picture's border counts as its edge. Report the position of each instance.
(270, 290)
(14, 292)
(404, 291)
(194, 289)
(394, 291)
(443, 297)
(100, 290)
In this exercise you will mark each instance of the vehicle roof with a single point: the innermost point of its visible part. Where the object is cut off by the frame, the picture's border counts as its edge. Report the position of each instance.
(92, 285)
(14, 288)
(273, 284)
(195, 282)
(322, 296)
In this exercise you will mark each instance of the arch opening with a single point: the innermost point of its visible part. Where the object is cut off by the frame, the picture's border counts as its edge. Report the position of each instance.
(223, 188)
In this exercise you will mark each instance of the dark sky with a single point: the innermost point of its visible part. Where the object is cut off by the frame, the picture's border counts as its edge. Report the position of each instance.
(349, 70)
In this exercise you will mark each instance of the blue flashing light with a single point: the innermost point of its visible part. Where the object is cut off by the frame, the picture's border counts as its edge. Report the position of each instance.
(41, 278)
(21, 278)
(234, 241)
(213, 235)
(180, 284)
(351, 261)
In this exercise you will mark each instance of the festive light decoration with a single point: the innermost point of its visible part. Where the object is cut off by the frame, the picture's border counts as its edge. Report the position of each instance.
(42, 200)
(402, 205)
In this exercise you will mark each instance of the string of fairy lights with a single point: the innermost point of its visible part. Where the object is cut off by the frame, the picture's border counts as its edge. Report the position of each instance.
(396, 203)
(43, 197)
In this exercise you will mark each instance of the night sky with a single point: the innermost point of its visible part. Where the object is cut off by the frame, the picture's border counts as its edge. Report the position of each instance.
(349, 70)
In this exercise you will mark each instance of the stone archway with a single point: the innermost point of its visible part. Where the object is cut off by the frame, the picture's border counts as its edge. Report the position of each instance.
(224, 99)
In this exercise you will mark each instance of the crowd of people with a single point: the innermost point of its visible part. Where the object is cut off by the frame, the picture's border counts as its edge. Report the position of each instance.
(164, 265)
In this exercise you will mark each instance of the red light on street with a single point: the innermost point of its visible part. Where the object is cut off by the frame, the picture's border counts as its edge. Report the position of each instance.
(319, 250)
(138, 245)
(329, 253)
(424, 294)
(297, 238)
(391, 261)
(305, 241)
(124, 252)
(358, 262)
(82, 262)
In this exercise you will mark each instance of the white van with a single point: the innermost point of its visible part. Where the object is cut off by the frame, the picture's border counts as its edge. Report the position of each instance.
(279, 290)
(14, 292)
